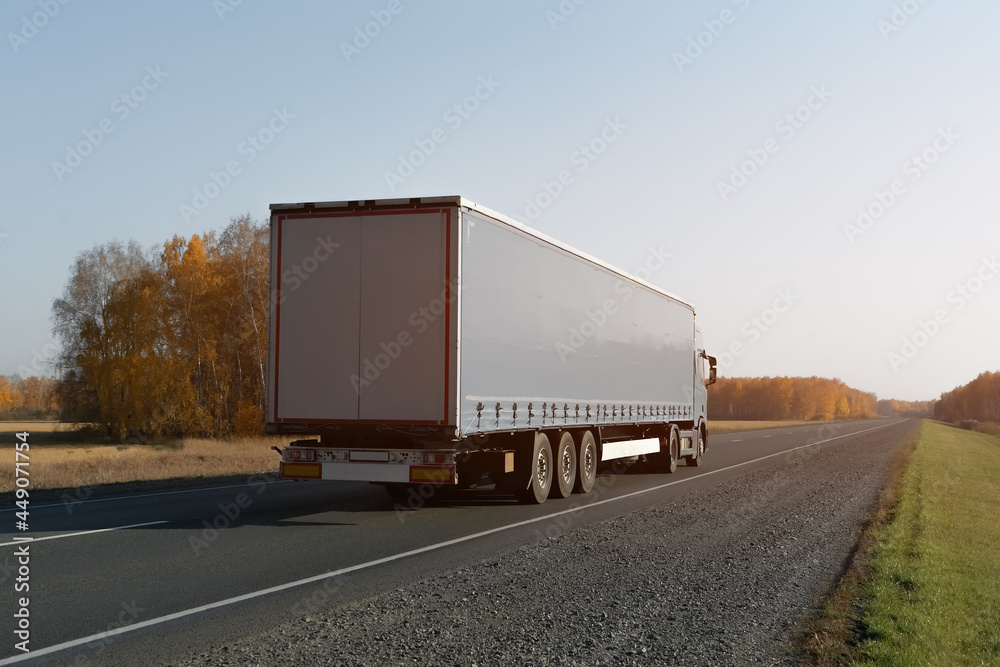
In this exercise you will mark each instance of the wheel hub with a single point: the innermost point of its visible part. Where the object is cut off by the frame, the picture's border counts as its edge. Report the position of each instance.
(567, 466)
(542, 469)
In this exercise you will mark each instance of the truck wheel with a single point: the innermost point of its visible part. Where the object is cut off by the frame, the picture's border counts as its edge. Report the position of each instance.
(696, 459)
(587, 462)
(535, 489)
(666, 461)
(565, 468)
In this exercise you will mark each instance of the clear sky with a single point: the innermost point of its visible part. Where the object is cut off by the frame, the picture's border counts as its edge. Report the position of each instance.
(741, 137)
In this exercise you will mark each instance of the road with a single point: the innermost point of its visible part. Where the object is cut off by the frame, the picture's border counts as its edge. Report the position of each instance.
(168, 584)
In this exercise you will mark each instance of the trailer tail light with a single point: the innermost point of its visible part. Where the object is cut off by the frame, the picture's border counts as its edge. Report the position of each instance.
(432, 474)
(435, 458)
(301, 455)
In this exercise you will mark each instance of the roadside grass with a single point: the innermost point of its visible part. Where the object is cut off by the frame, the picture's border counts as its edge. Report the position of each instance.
(934, 595)
(926, 584)
(56, 466)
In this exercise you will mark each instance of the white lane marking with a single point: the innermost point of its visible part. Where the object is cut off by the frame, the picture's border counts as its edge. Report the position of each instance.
(738, 440)
(389, 559)
(149, 495)
(82, 532)
(767, 436)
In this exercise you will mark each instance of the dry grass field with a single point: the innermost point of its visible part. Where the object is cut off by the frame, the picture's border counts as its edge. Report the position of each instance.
(38, 427)
(60, 460)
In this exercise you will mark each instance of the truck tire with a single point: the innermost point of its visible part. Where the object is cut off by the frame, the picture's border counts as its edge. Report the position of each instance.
(565, 466)
(587, 461)
(699, 451)
(666, 461)
(535, 485)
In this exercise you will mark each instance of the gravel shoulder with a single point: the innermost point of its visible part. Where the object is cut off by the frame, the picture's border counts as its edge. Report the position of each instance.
(719, 577)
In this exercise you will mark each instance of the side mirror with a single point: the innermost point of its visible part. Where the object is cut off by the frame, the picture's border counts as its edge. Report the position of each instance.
(712, 373)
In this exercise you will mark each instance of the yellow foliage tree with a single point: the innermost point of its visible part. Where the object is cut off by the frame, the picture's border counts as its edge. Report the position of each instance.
(777, 398)
(172, 343)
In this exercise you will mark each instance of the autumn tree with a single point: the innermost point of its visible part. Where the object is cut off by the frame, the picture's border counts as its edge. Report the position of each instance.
(782, 398)
(28, 398)
(894, 408)
(978, 400)
(170, 342)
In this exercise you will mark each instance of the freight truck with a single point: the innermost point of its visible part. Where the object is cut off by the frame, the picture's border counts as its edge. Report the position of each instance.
(432, 341)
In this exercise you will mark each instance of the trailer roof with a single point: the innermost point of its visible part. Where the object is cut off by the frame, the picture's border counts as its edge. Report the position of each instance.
(457, 200)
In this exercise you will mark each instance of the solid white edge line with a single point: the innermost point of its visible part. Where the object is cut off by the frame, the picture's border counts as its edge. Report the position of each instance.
(82, 532)
(388, 559)
(149, 495)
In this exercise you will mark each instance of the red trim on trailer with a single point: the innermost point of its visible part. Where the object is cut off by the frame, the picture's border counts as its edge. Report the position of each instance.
(320, 213)
(360, 422)
(277, 321)
(447, 308)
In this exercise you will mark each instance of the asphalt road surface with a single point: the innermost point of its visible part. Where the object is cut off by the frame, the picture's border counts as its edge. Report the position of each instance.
(218, 575)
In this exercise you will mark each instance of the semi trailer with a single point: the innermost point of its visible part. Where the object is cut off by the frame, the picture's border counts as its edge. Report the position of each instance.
(432, 341)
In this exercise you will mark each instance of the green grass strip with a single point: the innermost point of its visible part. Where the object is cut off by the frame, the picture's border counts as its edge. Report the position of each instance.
(933, 597)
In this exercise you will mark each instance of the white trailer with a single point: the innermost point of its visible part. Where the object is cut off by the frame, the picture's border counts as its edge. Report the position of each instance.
(433, 341)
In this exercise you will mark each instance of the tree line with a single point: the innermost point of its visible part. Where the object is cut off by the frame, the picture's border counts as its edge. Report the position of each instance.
(893, 408)
(28, 398)
(169, 341)
(779, 398)
(978, 400)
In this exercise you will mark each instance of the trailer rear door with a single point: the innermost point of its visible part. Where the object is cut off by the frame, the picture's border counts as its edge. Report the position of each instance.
(360, 319)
